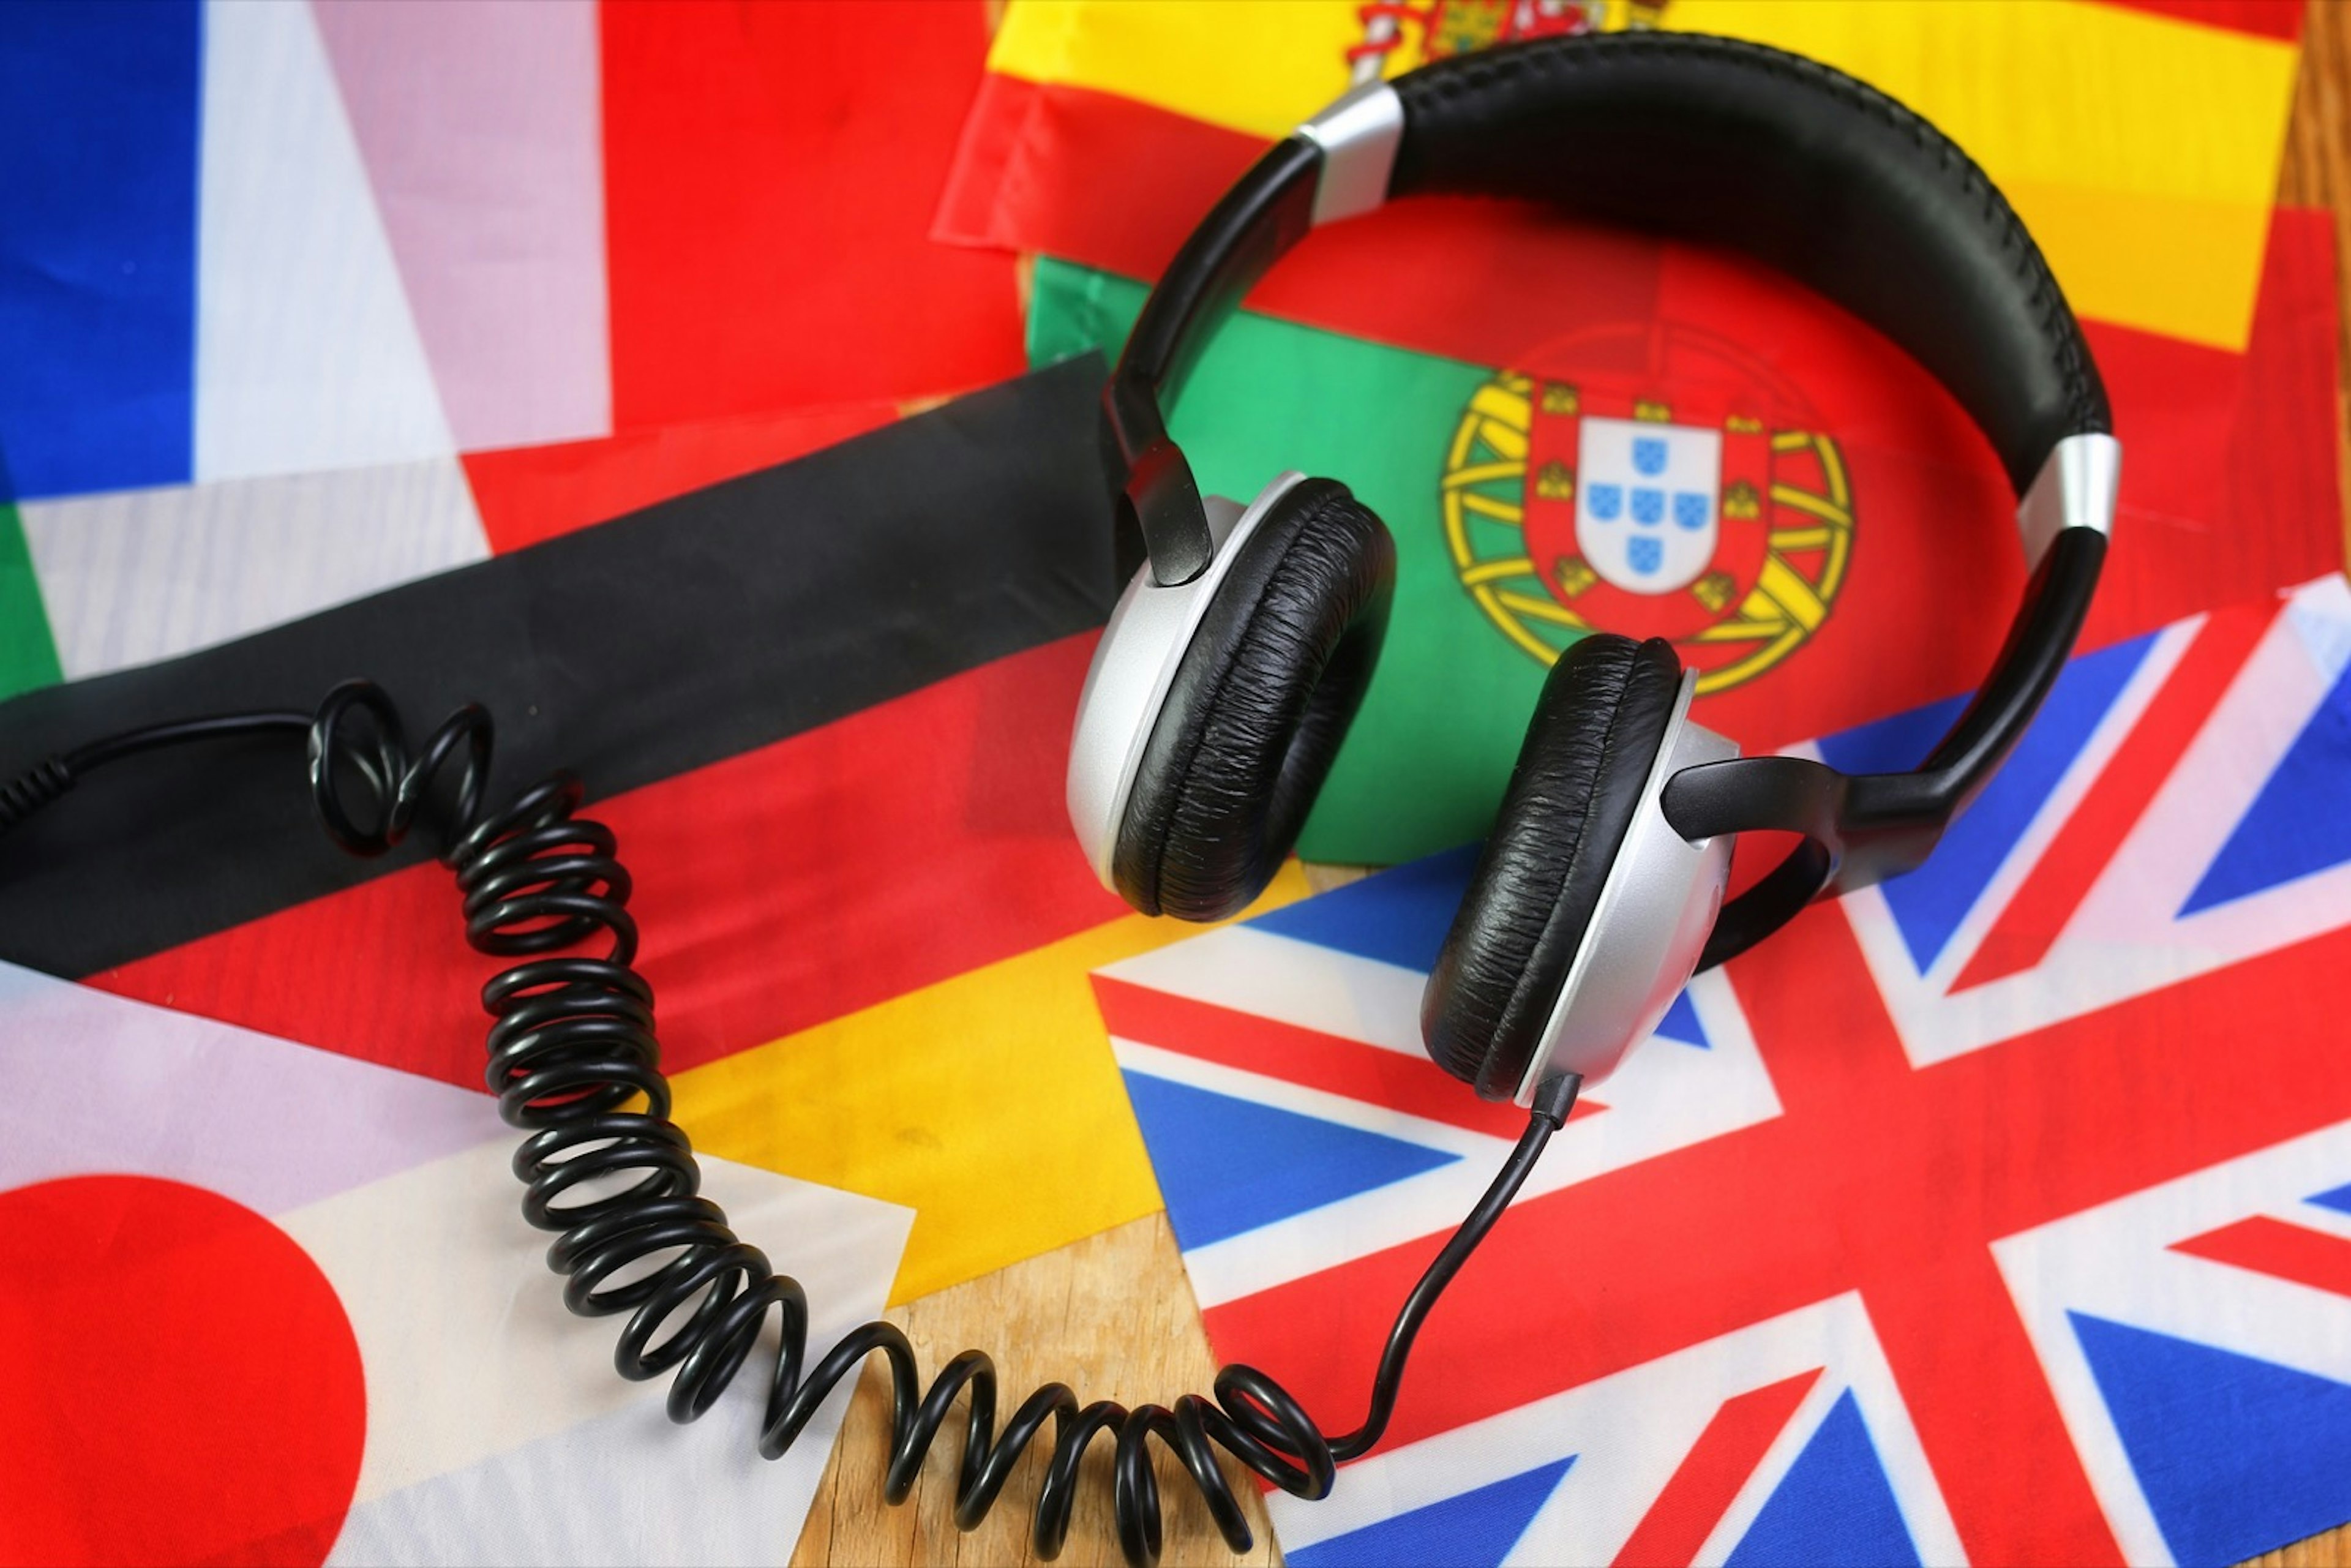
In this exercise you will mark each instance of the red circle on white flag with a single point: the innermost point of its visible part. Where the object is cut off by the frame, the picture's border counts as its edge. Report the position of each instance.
(184, 1385)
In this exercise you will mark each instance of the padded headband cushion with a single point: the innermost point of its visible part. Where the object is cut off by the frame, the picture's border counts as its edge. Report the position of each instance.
(1594, 736)
(1795, 164)
(1259, 705)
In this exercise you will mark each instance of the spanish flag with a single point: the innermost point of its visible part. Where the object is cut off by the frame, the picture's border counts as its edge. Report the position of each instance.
(1482, 373)
(2140, 142)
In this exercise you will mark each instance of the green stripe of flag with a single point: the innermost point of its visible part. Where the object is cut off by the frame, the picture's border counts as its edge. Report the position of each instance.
(28, 657)
(1427, 758)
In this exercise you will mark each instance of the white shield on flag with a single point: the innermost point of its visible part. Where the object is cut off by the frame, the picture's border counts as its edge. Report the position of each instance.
(1646, 517)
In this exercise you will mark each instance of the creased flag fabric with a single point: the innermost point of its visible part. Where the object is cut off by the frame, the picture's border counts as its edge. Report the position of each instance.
(130, 576)
(353, 233)
(313, 1272)
(2116, 130)
(1998, 1214)
(828, 719)
(312, 299)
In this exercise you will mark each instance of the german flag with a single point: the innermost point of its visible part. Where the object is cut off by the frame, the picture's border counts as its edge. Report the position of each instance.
(826, 708)
(1473, 368)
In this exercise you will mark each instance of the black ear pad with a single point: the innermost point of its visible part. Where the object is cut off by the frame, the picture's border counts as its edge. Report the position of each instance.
(1588, 750)
(1259, 705)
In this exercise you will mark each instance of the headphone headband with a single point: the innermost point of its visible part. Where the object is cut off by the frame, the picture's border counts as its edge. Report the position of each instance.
(1800, 166)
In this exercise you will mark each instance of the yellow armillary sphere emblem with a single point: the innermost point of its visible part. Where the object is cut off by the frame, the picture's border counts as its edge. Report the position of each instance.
(1571, 509)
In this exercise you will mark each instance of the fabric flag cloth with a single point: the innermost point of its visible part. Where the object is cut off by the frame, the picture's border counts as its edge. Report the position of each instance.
(2117, 130)
(1854, 552)
(828, 718)
(1827, 498)
(2001, 1213)
(310, 299)
(311, 1270)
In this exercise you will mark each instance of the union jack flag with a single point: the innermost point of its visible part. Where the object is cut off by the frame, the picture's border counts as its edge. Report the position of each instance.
(2001, 1214)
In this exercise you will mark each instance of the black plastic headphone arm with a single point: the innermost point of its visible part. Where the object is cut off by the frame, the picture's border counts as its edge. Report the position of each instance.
(1766, 794)
(1860, 828)
(2033, 655)
(1255, 224)
(1771, 904)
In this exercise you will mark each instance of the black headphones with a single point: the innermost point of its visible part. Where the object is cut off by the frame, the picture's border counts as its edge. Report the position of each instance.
(1239, 652)
(1218, 697)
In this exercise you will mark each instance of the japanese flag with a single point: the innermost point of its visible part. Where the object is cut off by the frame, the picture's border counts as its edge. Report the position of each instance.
(269, 1303)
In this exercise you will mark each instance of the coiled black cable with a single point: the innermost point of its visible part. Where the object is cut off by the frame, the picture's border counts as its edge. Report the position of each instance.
(573, 1045)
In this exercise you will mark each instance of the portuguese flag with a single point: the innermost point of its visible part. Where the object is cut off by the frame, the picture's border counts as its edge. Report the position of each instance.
(1830, 539)
(1855, 552)
(825, 707)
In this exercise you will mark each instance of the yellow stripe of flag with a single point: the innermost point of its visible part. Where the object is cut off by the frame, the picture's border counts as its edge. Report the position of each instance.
(988, 1103)
(2142, 150)
(1259, 67)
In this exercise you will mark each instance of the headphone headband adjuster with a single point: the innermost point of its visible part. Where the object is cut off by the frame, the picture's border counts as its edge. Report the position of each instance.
(2076, 488)
(1359, 134)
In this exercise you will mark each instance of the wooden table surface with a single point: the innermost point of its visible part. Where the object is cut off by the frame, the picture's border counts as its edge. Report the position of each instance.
(1113, 1315)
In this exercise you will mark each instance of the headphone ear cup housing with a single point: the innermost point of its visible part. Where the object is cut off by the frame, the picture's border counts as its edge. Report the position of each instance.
(1259, 706)
(1256, 697)
(1586, 911)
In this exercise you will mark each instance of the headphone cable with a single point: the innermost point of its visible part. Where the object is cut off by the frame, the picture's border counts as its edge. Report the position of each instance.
(572, 1046)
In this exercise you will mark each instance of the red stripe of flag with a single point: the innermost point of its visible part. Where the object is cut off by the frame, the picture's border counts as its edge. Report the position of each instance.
(1412, 1084)
(1093, 144)
(525, 494)
(734, 137)
(2274, 1248)
(907, 844)
(1709, 1477)
(2112, 807)
(2279, 19)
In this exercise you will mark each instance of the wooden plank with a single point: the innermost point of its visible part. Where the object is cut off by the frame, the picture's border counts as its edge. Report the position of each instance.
(2317, 173)
(1112, 1316)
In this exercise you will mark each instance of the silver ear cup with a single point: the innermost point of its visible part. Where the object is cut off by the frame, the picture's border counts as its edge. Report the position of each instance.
(1649, 926)
(1126, 685)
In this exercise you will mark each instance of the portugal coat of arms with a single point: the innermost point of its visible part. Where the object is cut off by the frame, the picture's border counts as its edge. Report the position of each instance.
(1459, 27)
(1571, 509)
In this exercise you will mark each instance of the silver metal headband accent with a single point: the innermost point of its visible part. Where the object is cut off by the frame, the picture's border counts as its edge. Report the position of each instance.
(1358, 135)
(2075, 489)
